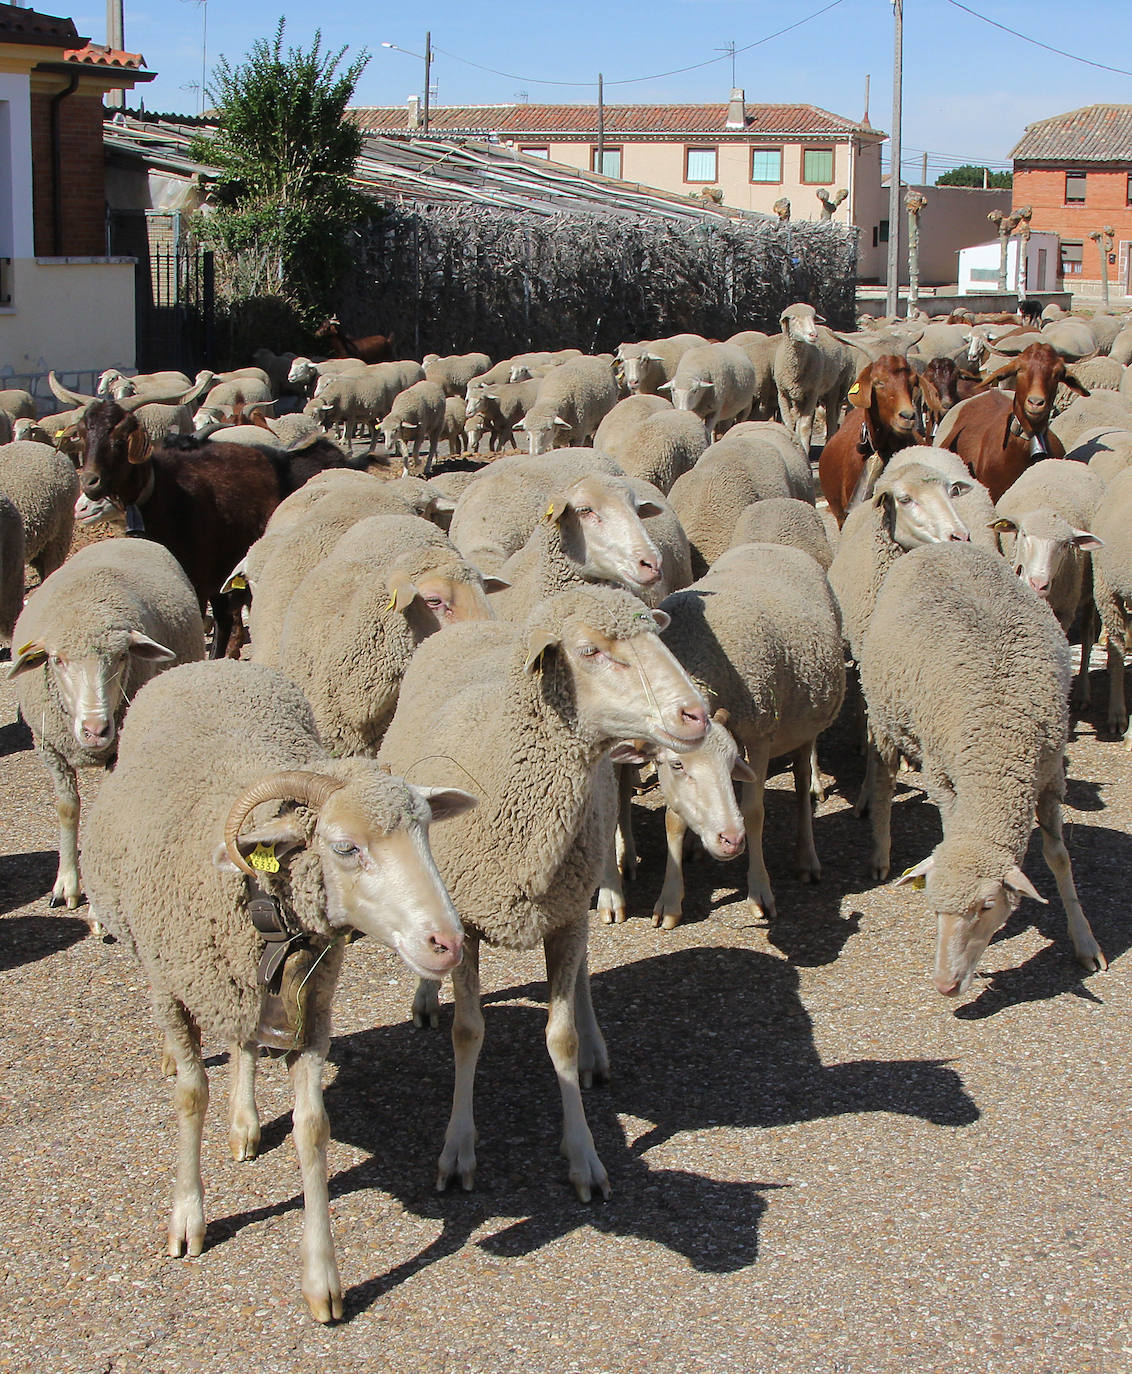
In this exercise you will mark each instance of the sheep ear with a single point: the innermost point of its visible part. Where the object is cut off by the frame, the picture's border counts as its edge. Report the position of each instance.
(1083, 539)
(1074, 385)
(279, 837)
(402, 592)
(561, 423)
(138, 446)
(647, 508)
(665, 386)
(743, 772)
(1016, 881)
(662, 619)
(931, 396)
(30, 656)
(1004, 526)
(141, 646)
(446, 803)
(493, 583)
(916, 874)
(556, 510)
(538, 641)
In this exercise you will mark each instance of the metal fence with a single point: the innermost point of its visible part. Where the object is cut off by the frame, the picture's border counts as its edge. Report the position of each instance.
(175, 301)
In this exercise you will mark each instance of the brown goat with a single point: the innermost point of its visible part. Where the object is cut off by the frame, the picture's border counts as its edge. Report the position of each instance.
(881, 422)
(998, 435)
(373, 348)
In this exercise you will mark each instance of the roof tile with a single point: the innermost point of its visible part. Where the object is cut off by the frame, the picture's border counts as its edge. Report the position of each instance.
(1095, 133)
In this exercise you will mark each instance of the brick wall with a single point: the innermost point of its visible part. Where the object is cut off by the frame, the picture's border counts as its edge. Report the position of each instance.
(1106, 203)
(83, 199)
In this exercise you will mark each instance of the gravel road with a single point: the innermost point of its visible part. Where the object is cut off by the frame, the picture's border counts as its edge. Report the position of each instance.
(818, 1164)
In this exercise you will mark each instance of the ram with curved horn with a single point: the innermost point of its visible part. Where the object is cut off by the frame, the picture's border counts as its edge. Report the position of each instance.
(220, 776)
(172, 392)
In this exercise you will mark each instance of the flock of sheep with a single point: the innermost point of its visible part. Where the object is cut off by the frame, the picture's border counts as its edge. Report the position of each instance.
(453, 683)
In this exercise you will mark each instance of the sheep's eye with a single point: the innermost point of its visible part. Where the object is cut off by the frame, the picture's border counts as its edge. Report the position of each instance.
(434, 601)
(589, 651)
(903, 499)
(584, 510)
(954, 490)
(676, 766)
(345, 849)
(990, 904)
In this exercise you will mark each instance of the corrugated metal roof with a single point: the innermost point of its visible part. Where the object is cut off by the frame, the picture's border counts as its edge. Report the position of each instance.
(807, 121)
(443, 171)
(1095, 133)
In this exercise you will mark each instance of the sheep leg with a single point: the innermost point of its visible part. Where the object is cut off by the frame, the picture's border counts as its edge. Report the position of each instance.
(433, 445)
(611, 894)
(66, 785)
(818, 780)
(243, 1118)
(1082, 692)
(321, 1285)
(426, 1003)
(883, 778)
(459, 1153)
(190, 1101)
(565, 951)
(593, 1057)
(753, 807)
(669, 905)
(626, 846)
(1057, 861)
(806, 855)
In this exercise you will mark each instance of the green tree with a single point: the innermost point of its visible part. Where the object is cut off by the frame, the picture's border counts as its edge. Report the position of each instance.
(970, 175)
(285, 154)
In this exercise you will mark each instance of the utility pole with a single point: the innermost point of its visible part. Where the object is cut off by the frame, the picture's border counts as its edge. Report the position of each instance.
(427, 74)
(115, 38)
(600, 124)
(924, 172)
(892, 294)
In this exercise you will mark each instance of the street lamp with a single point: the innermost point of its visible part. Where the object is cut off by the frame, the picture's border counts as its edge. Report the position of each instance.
(426, 57)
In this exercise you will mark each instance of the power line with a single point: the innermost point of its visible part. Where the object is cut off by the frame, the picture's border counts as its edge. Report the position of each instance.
(657, 76)
(1057, 52)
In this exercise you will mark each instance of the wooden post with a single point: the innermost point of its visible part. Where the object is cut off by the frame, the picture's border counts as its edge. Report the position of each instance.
(914, 202)
(1104, 239)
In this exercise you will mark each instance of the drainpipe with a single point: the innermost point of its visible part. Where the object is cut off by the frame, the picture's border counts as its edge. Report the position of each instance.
(57, 166)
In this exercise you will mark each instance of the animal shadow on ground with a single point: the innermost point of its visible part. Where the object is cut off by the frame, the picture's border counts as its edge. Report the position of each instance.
(28, 878)
(744, 1059)
(15, 737)
(25, 939)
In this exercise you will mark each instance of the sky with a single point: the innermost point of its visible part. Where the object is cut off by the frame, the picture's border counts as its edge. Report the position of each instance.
(969, 88)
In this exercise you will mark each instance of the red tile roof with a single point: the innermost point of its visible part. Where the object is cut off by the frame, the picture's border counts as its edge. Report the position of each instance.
(806, 121)
(1095, 133)
(98, 55)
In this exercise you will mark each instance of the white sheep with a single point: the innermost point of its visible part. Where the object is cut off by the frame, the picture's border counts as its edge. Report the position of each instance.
(354, 621)
(966, 673)
(572, 401)
(1112, 591)
(415, 417)
(531, 712)
(646, 365)
(624, 418)
(455, 415)
(970, 499)
(1108, 408)
(454, 372)
(785, 520)
(208, 748)
(43, 486)
(499, 407)
(717, 382)
(1107, 451)
(662, 447)
(760, 348)
(114, 615)
(17, 404)
(811, 368)
(11, 568)
(760, 635)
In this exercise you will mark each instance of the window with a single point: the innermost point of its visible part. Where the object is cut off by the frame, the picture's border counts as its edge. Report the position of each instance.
(1074, 188)
(817, 166)
(699, 164)
(543, 151)
(766, 164)
(610, 161)
(1128, 191)
(1072, 258)
(881, 233)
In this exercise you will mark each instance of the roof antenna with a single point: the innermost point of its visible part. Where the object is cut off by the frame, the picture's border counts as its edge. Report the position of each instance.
(729, 49)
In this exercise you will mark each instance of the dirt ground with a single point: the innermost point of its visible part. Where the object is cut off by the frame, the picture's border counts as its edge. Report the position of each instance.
(818, 1164)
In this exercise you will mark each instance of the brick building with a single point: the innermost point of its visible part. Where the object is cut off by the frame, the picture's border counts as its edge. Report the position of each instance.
(1075, 170)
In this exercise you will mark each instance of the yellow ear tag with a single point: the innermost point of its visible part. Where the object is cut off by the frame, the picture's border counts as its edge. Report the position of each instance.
(392, 602)
(855, 389)
(238, 584)
(24, 648)
(549, 512)
(918, 883)
(263, 858)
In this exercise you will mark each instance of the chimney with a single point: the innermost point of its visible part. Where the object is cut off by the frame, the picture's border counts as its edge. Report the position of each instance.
(413, 105)
(736, 109)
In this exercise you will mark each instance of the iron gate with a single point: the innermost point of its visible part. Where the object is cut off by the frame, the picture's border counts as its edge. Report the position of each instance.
(175, 301)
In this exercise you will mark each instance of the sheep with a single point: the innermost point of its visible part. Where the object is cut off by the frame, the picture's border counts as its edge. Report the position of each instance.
(500, 406)
(1094, 374)
(207, 747)
(17, 404)
(572, 401)
(592, 531)
(277, 366)
(760, 635)
(455, 414)
(966, 672)
(530, 712)
(760, 348)
(497, 512)
(663, 447)
(1073, 338)
(1112, 591)
(43, 486)
(304, 375)
(784, 520)
(646, 365)
(453, 373)
(717, 382)
(1107, 408)
(1042, 525)
(60, 430)
(362, 397)
(354, 621)
(626, 416)
(290, 428)
(417, 415)
(521, 365)
(744, 466)
(970, 499)
(811, 368)
(12, 550)
(117, 384)
(114, 615)
(909, 506)
(1121, 350)
(1107, 451)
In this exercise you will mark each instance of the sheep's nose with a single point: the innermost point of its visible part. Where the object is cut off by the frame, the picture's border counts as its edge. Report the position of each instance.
(694, 719)
(946, 987)
(731, 842)
(446, 945)
(96, 731)
(1040, 585)
(960, 536)
(648, 571)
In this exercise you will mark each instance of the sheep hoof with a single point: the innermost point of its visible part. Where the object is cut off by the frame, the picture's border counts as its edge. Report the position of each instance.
(878, 872)
(186, 1240)
(1092, 959)
(325, 1307)
(244, 1143)
(809, 873)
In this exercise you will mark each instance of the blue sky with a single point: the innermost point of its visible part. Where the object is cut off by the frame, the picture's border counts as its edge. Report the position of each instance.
(969, 89)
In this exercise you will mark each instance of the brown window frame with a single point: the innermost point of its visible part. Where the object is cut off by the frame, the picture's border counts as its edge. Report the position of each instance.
(712, 148)
(829, 148)
(608, 148)
(536, 150)
(1128, 190)
(767, 148)
(1077, 200)
(1063, 244)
